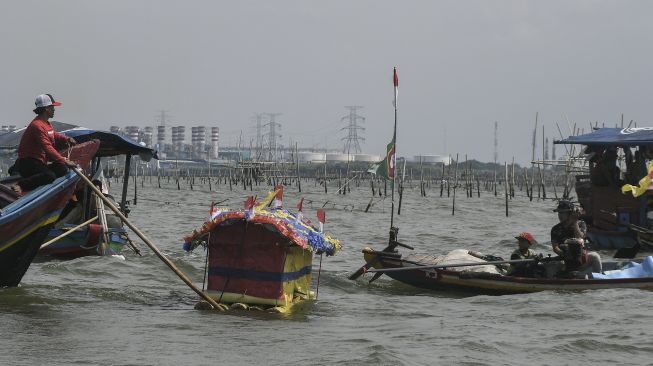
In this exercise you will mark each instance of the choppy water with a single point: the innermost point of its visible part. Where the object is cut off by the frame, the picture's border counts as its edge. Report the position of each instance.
(106, 311)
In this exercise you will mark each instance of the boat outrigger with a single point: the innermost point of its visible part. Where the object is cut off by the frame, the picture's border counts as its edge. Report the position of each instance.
(26, 220)
(260, 257)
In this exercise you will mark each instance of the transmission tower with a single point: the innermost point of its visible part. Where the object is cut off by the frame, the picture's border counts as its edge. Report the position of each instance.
(258, 117)
(496, 142)
(161, 117)
(272, 135)
(352, 144)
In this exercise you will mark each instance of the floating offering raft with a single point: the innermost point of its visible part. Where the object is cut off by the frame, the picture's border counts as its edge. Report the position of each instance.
(261, 257)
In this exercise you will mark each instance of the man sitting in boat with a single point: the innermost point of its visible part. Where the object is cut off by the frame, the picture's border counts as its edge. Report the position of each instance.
(37, 148)
(568, 241)
(524, 240)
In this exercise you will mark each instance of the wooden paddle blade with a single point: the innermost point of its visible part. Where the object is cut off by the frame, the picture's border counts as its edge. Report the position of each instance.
(376, 276)
(358, 272)
(364, 268)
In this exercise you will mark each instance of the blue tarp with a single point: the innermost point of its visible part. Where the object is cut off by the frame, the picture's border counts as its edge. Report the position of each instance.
(638, 136)
(635, 270)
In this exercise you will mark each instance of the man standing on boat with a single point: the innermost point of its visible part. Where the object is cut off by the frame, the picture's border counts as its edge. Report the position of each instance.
(37, 148)
(568, 241)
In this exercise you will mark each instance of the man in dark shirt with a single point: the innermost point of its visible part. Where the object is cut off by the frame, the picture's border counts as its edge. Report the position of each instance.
(568, 241)
(37, 148)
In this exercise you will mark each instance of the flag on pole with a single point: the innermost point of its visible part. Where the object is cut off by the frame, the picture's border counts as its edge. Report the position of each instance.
(395, 80)
(300, 210)
(321, 218)
(386, 167)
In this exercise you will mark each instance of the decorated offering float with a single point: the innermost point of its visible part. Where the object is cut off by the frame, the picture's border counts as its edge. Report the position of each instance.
(261, 257)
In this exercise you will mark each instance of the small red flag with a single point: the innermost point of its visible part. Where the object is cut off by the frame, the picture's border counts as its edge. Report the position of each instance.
(249, 204)
(321, 216)
(300, 205)
(395, 78)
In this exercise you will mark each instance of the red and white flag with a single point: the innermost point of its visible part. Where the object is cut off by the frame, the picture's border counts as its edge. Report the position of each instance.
(278, 198)
(321, 218)
(300, 209)
(395, 80)
(214, 211)
(249, 207)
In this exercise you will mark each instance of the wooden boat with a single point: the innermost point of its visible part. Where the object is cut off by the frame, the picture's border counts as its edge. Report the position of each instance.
(96, 238)
(477, 283)
(260, 258)
(615, 220)
(25, 221)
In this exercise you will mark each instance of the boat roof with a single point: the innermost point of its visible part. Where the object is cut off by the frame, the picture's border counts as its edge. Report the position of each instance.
(637, 136)
(111, 144)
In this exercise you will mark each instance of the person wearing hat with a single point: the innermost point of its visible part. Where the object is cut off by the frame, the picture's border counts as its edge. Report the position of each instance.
(39, 162)
(568, 241)
(525, 241)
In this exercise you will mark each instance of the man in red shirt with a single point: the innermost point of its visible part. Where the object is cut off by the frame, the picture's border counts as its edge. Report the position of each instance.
(37, 148)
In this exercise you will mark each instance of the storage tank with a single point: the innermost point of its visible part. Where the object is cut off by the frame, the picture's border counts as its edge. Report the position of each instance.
(339, 157)
(311, 157)
(432, 159)
(367, 158)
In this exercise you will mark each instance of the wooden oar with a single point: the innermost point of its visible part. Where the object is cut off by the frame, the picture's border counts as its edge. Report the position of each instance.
(389, 249)
(70, 231)
(149, 243)
(468, 264)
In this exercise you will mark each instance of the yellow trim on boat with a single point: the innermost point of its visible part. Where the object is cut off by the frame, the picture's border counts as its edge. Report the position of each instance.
(30, 230)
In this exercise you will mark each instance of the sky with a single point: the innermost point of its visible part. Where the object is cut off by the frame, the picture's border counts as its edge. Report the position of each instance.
(462, 66)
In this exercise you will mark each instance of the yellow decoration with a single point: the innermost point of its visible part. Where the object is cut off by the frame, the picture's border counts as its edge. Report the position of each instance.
(644, 183)
(267, 200)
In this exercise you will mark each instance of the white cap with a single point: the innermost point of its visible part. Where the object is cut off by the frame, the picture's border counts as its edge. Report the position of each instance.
(45, 100)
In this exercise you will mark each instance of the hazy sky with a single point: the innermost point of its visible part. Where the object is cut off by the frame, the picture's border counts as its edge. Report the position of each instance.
(462, 65)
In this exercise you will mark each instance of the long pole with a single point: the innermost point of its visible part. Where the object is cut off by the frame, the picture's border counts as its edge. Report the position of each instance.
(452, 265)
(147, 241)
(72, 230)
(395, 80)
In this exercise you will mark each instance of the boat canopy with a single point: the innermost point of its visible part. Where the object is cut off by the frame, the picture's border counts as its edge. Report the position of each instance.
(112, 144)
(638, 136)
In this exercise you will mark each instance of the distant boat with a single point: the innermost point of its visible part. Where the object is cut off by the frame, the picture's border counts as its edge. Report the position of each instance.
(260, 258)
(25, 221)
(615, 220)
(478, 283)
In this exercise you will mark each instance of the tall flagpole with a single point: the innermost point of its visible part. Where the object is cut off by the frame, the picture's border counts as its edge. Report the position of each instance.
(392, 160)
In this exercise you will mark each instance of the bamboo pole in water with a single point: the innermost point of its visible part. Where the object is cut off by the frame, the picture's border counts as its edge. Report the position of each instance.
(149, 243)
(505, 188)
(453, 205)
